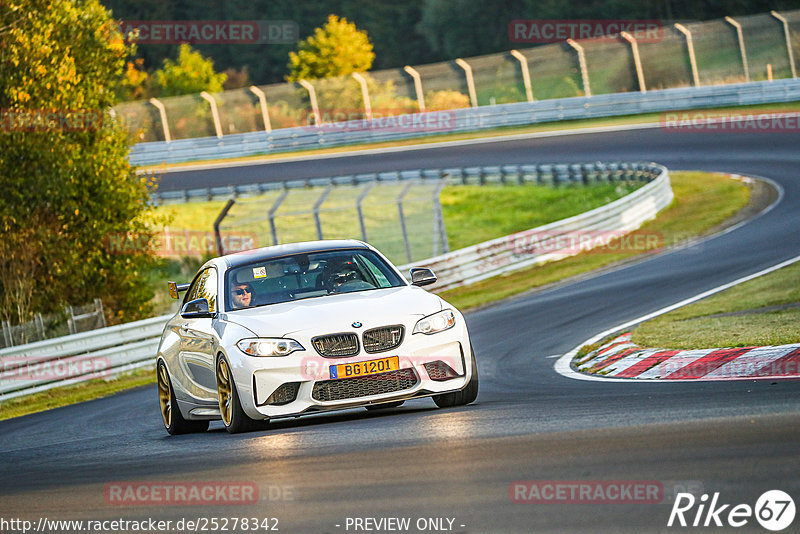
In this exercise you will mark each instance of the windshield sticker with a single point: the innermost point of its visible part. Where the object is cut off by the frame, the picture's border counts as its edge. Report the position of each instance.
(259, 272)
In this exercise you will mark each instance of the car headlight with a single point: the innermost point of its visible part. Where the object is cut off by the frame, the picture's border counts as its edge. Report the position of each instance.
(267, 346)
(438, 322)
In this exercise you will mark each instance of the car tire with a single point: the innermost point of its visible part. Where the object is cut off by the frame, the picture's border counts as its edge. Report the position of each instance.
(464, 396)
(171, 415)
(384, 406)
(230, 407)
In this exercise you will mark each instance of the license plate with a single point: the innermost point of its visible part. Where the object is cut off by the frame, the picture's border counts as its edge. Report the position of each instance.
(371, 367)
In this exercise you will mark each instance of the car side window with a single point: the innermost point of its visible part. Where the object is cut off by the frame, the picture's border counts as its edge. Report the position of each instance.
(204, 286)
(207, 288)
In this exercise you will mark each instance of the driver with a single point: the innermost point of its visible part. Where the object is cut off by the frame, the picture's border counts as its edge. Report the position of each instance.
(241, 295)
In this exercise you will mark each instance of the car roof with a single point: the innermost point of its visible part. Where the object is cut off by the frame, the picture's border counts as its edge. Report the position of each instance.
(248, 256)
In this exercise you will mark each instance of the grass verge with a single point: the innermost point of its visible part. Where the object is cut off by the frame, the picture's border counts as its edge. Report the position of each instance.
(702, 201)
(763, 311)
(93, 389)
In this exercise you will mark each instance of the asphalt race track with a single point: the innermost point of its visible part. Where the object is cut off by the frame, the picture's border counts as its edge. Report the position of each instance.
(738, 438)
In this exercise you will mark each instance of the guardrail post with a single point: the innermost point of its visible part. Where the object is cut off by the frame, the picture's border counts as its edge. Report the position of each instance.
(787, 34)
(317, 205)
(364, 95)
(637, 60)
(163, 114)
(742, 50)
(400, 198)
(526, 76)
(275, 205)
(417, 86)
(262, 99)
(312, 95)
(214, 112)
(473, 97)
(690, 47)
(587, 90)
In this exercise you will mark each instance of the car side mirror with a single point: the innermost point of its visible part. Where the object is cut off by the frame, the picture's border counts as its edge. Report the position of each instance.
(196, 309)
(421, 276)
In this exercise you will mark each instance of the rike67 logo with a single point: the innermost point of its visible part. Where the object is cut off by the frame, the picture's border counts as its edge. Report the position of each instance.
(774, 510)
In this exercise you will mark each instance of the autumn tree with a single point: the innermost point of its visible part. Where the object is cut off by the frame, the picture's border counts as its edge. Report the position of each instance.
(338, 48)
(191, 73)
(66, 183)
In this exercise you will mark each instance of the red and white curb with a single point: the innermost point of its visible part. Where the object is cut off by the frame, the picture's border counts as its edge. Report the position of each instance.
(622, 359)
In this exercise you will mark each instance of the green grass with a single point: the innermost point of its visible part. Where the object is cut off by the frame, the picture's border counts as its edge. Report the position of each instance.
(702, 201)
(474, 214)
(697, 326)
(64, 396)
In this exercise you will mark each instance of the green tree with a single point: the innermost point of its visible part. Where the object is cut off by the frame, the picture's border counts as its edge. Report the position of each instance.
(336, 49)
(67, 187)
(192, 73)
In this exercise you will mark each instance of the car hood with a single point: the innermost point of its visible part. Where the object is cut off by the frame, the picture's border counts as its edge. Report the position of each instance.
(337, 313)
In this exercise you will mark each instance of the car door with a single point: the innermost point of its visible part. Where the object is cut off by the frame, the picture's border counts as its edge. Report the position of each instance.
(198, 346)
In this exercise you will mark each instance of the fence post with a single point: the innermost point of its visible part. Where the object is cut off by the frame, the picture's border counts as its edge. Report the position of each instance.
(359, 210)
(312, 94)
(787, 34)
(417, 86)
(637, 60)
(400, 198)
(262, 99)
(7, 334)
(742, 50)
(364, 95)
(439, 231)
(690, 46)
(587, 90)
(40, 325)
(163, 114)
(317, 205)
(271, 215)
(473, 96)
(70, 320)
(98, 308)
(218, 221)
(214, 112)
(526, 76)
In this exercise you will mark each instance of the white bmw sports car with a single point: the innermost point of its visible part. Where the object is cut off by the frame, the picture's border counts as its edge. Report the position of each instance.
(297, 329)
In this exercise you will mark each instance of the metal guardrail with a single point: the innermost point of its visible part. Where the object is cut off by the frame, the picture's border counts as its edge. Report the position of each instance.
(465, 120)
(107, 352)
(101, 353)
(556, 240)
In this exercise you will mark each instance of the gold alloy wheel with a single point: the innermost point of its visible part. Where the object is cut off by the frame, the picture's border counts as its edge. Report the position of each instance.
(164, 395)
(224, 391)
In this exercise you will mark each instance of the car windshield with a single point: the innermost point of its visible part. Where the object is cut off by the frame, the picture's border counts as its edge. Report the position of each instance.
(303, 276)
